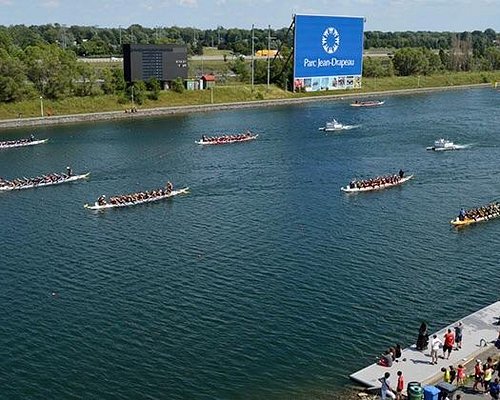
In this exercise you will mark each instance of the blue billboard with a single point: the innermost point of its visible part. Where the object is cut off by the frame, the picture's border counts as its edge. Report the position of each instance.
(328, 52)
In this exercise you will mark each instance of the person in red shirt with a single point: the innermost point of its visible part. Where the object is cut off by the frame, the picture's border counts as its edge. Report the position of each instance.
(449, 342)
(400, 386)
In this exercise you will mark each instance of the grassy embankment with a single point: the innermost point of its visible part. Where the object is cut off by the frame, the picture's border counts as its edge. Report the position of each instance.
(236, 93)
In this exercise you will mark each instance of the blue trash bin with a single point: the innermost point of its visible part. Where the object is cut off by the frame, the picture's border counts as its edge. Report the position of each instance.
(431, 393)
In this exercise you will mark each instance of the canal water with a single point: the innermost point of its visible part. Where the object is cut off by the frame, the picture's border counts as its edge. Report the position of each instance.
(265, 281)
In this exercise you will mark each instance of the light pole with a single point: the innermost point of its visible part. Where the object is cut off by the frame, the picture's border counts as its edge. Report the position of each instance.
(41, 106)
(253, 51)
(269, 56)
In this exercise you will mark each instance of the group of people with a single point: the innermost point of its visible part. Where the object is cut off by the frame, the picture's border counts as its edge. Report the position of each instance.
(226, 138)
(391, 355)
(135, 197)
(386, 389)
(491, 210)
(43, 179)
(451, 340)
(378, 181)
(17, 142)
(483, 377)
(484, 380)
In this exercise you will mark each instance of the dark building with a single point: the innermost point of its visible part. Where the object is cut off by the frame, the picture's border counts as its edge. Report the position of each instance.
(165, 62)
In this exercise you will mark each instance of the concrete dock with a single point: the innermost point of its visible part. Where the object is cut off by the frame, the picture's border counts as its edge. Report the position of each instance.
(480, 330)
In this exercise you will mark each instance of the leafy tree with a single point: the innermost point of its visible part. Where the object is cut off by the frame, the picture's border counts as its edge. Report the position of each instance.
(51, 70)
(107, 85)
(137, 91)
(118, 80)
(178, 85)
(13, 85)
(85, 80)
(492, 55)
(374, 67)
(154, 87)
(410, 61)
(240, 68)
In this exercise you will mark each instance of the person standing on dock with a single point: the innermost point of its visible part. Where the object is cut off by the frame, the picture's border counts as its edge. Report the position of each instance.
(386, 390)
(436, 343)
(400, 386)
(495, 389)
(449, 342)
(458, 335)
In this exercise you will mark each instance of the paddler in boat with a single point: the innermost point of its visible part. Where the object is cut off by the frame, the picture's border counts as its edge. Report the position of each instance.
(204, 138)
(401, 174)
(101, 200)
(352, 185)
(32, 138)
(169, 186)
(461, 214)
(69, 171)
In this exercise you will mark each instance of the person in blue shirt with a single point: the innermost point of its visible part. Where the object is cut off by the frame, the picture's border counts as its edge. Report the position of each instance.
(495, 389)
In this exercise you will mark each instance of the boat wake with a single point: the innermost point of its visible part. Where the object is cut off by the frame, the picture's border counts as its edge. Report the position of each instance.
(348, 127)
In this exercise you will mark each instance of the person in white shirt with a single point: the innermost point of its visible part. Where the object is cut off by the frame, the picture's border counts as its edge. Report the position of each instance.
(436, 343)
(386, 390)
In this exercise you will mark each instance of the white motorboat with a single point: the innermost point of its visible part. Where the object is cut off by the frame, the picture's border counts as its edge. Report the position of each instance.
(335, 125)
(444, 145)
(332, 125)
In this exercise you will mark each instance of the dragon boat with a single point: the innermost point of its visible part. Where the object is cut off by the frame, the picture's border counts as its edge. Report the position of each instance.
(481, 214)
(355, 189)
(9, 144)
(137, 198)
(369, 103)
(226, 139)
(41, 181)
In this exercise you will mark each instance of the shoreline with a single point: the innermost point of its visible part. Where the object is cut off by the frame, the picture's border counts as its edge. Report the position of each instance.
(163, 111)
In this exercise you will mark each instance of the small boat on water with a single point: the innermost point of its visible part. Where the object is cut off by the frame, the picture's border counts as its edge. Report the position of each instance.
(40, 181)
(8, 144)
(135, 199)
(378, 183)
(226, 139)
(334, 125)
(369, 103)
(445, 145)
(475, 215)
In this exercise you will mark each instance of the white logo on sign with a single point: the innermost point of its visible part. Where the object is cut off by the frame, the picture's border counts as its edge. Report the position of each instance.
(330, 40)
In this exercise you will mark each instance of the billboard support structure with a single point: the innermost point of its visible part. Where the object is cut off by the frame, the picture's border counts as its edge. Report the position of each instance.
(328, 52)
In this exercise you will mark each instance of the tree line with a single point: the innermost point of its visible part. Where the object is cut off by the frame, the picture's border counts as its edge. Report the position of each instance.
(90, 41)
(43, 60)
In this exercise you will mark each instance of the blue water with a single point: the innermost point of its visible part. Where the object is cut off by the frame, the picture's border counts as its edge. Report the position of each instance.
(265, 281)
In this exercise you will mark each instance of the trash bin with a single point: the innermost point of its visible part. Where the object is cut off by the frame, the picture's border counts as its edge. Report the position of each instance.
(431, 393)
(447, 389)
(414, 391)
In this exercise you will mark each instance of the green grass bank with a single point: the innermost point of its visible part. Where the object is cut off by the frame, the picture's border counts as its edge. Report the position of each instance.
(235, 93)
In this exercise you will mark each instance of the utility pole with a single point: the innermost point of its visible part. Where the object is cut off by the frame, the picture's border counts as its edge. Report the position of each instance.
(41, 106)
(253, 51)
(268, 58)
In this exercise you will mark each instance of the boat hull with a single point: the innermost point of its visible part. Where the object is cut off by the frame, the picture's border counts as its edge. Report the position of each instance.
(4, 145)
(59, 182)
(347, 189)
(368, 104)
(173, 193)
(201, 142)
(470, 221)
